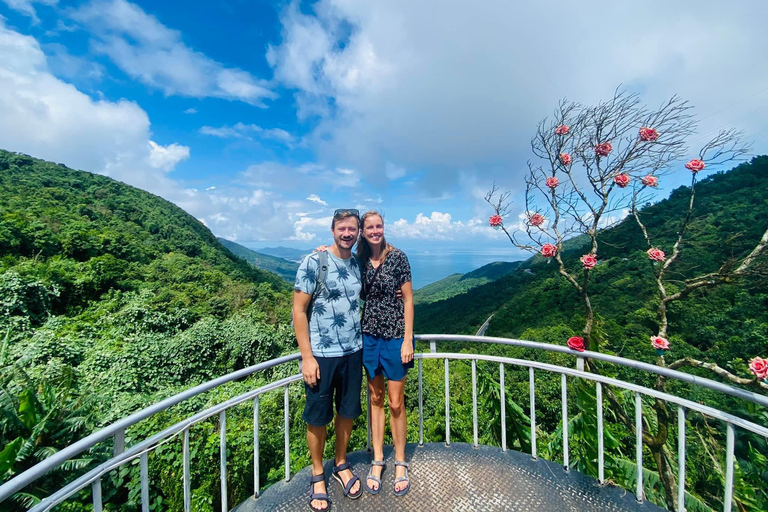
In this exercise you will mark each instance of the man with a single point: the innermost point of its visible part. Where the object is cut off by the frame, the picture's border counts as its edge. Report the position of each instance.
(329, 336)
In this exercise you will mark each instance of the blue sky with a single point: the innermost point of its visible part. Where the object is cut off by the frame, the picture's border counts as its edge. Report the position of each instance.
(259, 118)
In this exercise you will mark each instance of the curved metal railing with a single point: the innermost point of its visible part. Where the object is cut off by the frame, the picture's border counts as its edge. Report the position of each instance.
(140, 451)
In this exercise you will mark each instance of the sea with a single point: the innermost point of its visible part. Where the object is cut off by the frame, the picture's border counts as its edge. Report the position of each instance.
(429, 265)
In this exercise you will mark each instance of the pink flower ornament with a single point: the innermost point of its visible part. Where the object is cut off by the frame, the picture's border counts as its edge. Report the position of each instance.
(650, 181)
(589, 261)
(759, 368)
(552, 182)
(621, 180)
(536, 219)
(603, 149)
(648, 134)
(576, 343)
(495, 221)
(695, 165)
(565, 159)
(656, 254)
(548, 250)
(660, 344)
(562, 129)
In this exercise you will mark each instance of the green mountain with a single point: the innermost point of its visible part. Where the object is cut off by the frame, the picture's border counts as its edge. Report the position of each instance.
(284, 268)
(456, 284)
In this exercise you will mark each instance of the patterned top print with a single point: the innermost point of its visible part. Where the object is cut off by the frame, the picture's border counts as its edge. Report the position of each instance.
(384, 312)
(334, 323)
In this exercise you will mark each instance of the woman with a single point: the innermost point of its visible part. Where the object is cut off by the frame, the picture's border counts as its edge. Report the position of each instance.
(387, 327)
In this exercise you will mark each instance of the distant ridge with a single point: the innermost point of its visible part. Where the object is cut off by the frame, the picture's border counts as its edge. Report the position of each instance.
(456, 284)
(280, 266)
(285, 253)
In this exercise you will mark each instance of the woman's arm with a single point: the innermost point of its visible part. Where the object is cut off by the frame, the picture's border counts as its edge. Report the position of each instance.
(406, 353)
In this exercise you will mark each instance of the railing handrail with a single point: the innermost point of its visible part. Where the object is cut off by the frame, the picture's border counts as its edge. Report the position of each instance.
(41, 468)
(587, 354)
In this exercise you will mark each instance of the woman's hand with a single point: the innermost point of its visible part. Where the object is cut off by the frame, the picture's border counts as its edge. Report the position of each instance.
(321, 248)
(406, 352)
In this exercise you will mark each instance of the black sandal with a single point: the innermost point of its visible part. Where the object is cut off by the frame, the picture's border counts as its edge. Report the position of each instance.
(318, 495)
(350, 484)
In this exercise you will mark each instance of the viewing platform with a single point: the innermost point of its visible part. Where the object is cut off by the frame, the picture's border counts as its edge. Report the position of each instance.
(460, 478)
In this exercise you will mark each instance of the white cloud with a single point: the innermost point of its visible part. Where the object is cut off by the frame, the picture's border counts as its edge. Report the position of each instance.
(191, 111)
(243, 131)
(393, 172)
(26, 7)
(154, 54)
(316, 199)
(441, 226)
(166, 157)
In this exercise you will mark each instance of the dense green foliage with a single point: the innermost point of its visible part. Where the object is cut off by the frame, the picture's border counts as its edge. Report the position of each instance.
(284, 268)
(457, 284)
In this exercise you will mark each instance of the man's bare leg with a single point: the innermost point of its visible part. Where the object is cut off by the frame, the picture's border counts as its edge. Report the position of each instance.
(399, 425)
(316, 441)
(343, 432)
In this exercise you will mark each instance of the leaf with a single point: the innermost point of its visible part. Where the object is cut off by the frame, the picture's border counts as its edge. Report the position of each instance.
(27, 408)
(8, 455)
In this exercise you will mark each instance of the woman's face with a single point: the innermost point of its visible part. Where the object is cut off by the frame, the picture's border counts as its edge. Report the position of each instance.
(373, 229)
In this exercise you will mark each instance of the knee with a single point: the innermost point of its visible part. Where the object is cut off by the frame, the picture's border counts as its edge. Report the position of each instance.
(377, 398)
(396, 407)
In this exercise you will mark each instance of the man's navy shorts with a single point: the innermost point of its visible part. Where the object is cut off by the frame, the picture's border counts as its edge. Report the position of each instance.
(340, 381)
(382, 356)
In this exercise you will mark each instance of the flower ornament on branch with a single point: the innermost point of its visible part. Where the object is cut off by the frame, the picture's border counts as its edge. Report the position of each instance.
(495, 221)
(562, 129)
(660, 344)
(589, 261)
(759, 368)
(548, 250)
(648, 134)
(650, 181)
(603, 149)
(695, 165)
(576, 343)
(552, 182)
(536, 219)
(656, 254)
(565, 159)
(621, 180)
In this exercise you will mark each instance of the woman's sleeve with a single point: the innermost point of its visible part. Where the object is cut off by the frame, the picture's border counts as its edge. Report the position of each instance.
(404, 269)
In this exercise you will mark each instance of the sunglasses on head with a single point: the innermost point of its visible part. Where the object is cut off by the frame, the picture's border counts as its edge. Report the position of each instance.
(346, 211)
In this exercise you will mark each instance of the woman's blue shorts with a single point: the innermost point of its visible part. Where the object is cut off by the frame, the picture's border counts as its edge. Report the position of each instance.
(382, 356)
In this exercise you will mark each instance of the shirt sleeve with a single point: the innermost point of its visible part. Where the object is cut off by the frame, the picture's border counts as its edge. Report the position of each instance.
(404, 269)
(306, 276)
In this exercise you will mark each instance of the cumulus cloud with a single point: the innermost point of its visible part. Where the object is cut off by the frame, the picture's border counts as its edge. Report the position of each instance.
(441, 226)
(166, 157)
(154, 54)
(245, 131)
(394, 81)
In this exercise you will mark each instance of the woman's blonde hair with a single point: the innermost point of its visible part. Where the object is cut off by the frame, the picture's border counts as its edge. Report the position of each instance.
(363, 247)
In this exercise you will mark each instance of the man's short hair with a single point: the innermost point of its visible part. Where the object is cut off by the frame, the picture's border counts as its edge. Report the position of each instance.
(343, 213)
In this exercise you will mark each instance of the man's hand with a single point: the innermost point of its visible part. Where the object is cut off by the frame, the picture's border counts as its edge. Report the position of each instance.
(311, 371)
(406, 352)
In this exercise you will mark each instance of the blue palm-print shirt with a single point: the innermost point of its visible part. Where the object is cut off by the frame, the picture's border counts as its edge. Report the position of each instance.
(334, 321)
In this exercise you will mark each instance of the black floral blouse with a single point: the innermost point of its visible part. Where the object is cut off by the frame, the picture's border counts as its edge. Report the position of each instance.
(383, 314)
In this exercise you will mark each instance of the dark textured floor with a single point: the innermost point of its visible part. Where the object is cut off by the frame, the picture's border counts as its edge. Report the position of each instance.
(458, 478)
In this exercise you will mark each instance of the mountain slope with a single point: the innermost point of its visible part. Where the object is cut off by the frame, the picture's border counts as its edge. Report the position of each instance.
(284, 268)
(456, 284)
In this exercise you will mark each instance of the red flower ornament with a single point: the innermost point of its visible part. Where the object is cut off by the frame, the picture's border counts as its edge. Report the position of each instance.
(648, 134)
(660, 344)
(759, 367)
(656, 254)
(603, 149)
(552, 182)
(621, 180)
(565, 159)
(695, 165)
(650, 181)
(536, 219)
(548, 250)
(576, 343)
(589, 261)
(495, 221)
(562, 129)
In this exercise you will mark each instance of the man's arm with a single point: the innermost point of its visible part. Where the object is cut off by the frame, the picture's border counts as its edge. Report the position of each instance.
(309, 367)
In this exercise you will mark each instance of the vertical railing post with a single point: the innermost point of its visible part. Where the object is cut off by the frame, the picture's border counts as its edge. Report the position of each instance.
(564, 399)
(680, 459)
(187, 487)
(286, 419)
(421, 408)
(600, 447)
(119, 442)
(256, 483)
(144, 475)
(639, 444)
(729, 443)
(432, 347)
(474, 400)
(96, 491)
(447, 407)
(531, 382)
(223, 457)
(503, 400)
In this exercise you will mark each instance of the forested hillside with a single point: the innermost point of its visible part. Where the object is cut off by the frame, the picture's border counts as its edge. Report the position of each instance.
(283, 268)
(457, 284)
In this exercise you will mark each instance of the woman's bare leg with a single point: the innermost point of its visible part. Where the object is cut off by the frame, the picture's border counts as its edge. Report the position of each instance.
(397, 421)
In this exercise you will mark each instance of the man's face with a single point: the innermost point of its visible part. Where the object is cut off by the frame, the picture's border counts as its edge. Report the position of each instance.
(345, 233)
